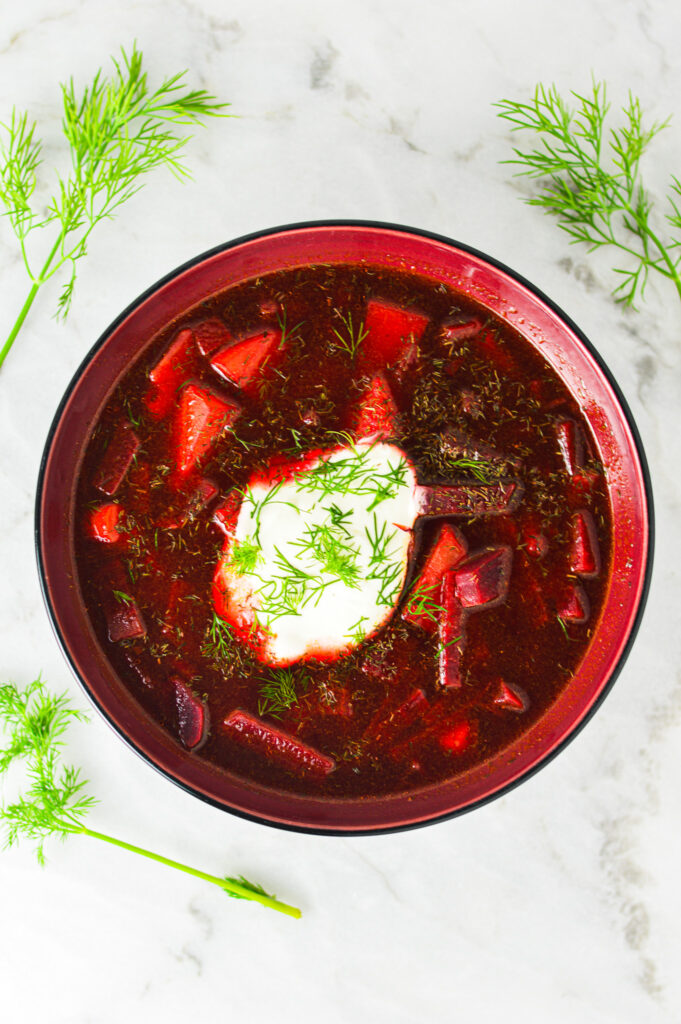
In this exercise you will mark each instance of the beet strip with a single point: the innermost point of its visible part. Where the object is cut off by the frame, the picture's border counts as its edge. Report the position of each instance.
(274, 743)
(470, 499)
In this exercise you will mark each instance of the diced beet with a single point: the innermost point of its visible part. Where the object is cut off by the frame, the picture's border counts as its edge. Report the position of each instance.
(470, 499)
(461, 331)
(585, 557)
(376, 416)
(117, 458)
(450, 634)
(497, 353)
(447, 551)
(390, 333)
(574, 604)
(584, 481)
(226, 513)
(124, 620)
(242, 361)
(192, 505)
(174, 366)
(389, 721)
(460, 446)
(102, 523)
(211, 335)
(534, 542)
(510, 697)
(201, 418)
(459, 737)
(483, 580)
(192, 714)
(571, 444)
(273, 743)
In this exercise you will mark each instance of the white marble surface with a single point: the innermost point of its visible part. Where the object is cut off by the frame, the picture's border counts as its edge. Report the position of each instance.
(559, 902)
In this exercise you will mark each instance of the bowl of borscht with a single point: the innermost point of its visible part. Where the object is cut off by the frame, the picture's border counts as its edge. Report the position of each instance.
(344, 527)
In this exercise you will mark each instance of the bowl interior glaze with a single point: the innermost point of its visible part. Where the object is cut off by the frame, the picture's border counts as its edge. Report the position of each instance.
(509, 297)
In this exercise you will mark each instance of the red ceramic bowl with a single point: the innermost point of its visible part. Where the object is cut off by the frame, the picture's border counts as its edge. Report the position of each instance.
(509, 297)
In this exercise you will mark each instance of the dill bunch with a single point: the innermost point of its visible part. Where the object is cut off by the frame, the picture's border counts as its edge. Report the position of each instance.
(118, 129)
(589, 179)
(55, 803)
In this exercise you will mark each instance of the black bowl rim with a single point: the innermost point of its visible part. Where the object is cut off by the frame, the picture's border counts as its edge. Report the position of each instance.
(645, 472)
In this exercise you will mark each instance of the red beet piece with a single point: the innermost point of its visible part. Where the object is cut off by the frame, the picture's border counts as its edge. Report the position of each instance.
(102, 523)
(461, 331)
(201, 418)
(389, 721)
(510, 697)
(459, 445)
(124, 619)
(117, 458)
(211, 335)
(534, 542)
(275, 744)
(422, 608)
(470, 499)
(483, 580)
(242, 361)
(226, 513)
(585, 556)
(574, 604)
(192, 714)
(167, 376)
(390, 333)
(450, 634)
(192, 505)
(497, 353)
(570, 444)
(379, 666)
(376, 416)
(459, 737)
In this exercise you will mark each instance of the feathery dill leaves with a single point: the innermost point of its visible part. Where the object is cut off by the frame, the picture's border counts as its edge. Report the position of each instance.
(352, 335)
(421, 602)
(589, 179)
(32, 725)
(280, 690)
(245, 556)
(118, 130)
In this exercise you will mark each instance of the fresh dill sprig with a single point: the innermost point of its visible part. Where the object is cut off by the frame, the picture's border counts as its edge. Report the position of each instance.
(421, 602)
(590, 180)
(352, 336)
(217, 645)
(33, 722)
(481, 469)
(279, 691)
(118, 129)
(245, 556)
(357, 633)
(326, 545)
(121, 597)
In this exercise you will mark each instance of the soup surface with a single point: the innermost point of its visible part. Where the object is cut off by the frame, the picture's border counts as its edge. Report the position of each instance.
(342, 532)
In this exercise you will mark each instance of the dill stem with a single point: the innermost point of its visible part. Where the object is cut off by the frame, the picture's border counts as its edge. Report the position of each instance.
(231, 887)
(40, 280)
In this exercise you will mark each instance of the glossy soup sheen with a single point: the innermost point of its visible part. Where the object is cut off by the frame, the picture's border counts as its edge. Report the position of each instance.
(380, 714)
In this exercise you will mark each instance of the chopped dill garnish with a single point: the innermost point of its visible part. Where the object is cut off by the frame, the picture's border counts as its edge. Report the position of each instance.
(122, 597)
(352, 336)
(279, 691)
(245, 555)
(357, 633)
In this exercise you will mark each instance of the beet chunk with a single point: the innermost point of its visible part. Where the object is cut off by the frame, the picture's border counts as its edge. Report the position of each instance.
(210, 336)
(574, 605)
(167, 375)
(192, 714)
(391, 333)
(201, 418)
(275, 744)
(242, 361)
(585, 556)
(422, 608)
(376, 417)
(115, 463)
(451, 634)
(510, 697)
(483, 580)
(103, 523)
(570, 444)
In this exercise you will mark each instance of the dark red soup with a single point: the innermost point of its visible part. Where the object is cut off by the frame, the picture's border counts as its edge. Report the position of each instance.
(342, 532)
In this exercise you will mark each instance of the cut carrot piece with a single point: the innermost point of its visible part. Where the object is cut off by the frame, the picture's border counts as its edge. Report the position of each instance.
(117, 458)
(226, 513)
(510, 697)
(211, 335)
(423, 606)
(574, 606)
(201, 418)
(275, 744)
(391, 333)
(102, 523)
(450, 634)
(192, 714)
(483, 580)
(571, 445)
(585, 557)
(376, 417)
(166, 377)
(242, 361)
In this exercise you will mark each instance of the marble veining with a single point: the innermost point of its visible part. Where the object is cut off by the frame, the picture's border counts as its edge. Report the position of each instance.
(560, 902)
